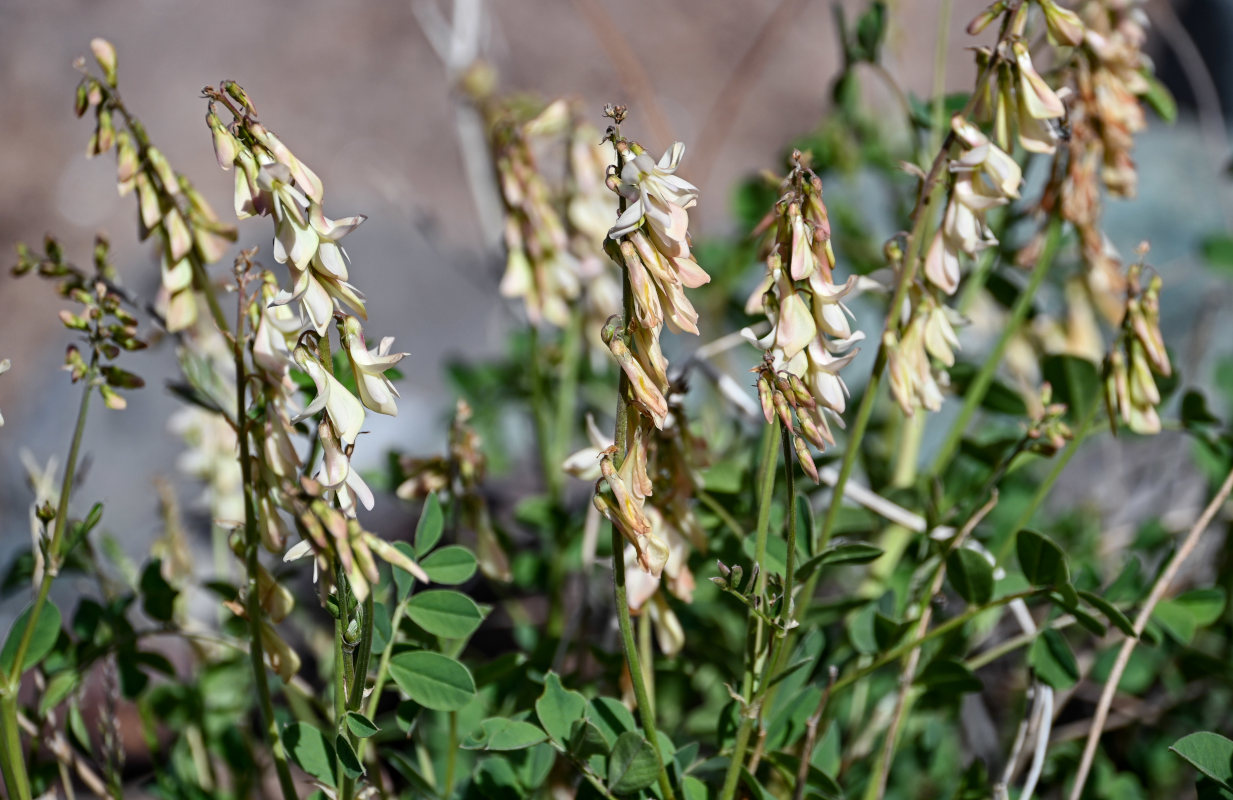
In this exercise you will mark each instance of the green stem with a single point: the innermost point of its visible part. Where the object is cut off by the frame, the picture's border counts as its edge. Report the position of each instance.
(13, 765)
(716, 508)
(949, 625)
(358, 680)
(383, 667)
(451, 752)
(57, 537)
(252, 541)
(645, 711)
(543, 424)
(567, 392)
(1059, 464)
(766, 498)
(980, 384)
(641, 697)
(341, 662)
(12, 762)
(779, 645)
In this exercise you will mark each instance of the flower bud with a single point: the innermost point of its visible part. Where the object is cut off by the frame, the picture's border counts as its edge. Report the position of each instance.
(1064, 25)
(805, 458)
(105, 55)
(982, 20)
(765, 397)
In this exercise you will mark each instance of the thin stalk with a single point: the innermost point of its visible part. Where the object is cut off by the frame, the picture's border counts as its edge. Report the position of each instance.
(13, 763)
(57, 536)
(252, 600)
(949, 625)
(567, 392)
(383, 667)
(451, 754)
(980, 384)
(718, 510)
(1059, 464)
(647, 655)
(779, 645)
(766, 498)
(645, 711)
(356, 698)
(341, 662)
(543, 423)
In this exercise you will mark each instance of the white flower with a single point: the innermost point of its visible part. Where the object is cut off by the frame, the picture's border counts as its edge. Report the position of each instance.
(377, 392)
(345, 410)
(656, 194)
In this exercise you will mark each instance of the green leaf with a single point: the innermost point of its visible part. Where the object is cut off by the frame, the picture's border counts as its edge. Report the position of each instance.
(403, 580)
(559, 708)
(450, 565)
(840, 553)
(46, 631)
(361, 725)
(1053, 660)
(1075, 381)
(1111, 612)
(58, 688)
(818, 781)
(1041, 560)
(1205, 605)
(870, 30)
(971, 575)
(633, 764)
(310, 750)
(945, 678)
(351, 765)
(1209, 753)
(611, 717)
(1183, 615)
(586, 740)
(428, 529)
(158, 597)
(1217, 251)
(1159, 97)
(432, 680)
(498, 733)
(1194, 411)
(445, 613)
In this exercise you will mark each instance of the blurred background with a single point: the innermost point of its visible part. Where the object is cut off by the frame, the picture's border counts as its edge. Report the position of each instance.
(363, 93)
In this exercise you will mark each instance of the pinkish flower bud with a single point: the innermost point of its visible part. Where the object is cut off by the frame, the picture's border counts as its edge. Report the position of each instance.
(105, 54)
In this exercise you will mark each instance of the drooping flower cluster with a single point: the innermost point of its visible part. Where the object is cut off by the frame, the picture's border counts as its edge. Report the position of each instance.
(291, 332)
(985, 177)
(811, 337)
(539, 265)
(1110, 80)
(554, 228)
(674, 459)
(189, 233)
(928, 334)
(653, 241)
(1130, 390)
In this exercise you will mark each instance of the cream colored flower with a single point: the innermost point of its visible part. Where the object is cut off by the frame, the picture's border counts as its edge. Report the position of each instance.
(657, 195)
(377, 391)
(345, 411)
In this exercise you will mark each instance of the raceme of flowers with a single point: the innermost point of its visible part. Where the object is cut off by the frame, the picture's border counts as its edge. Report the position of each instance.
(291, 331)
(652, 236)
(984, 177)
(189, 232)
(1130, 390)
(811, 337)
